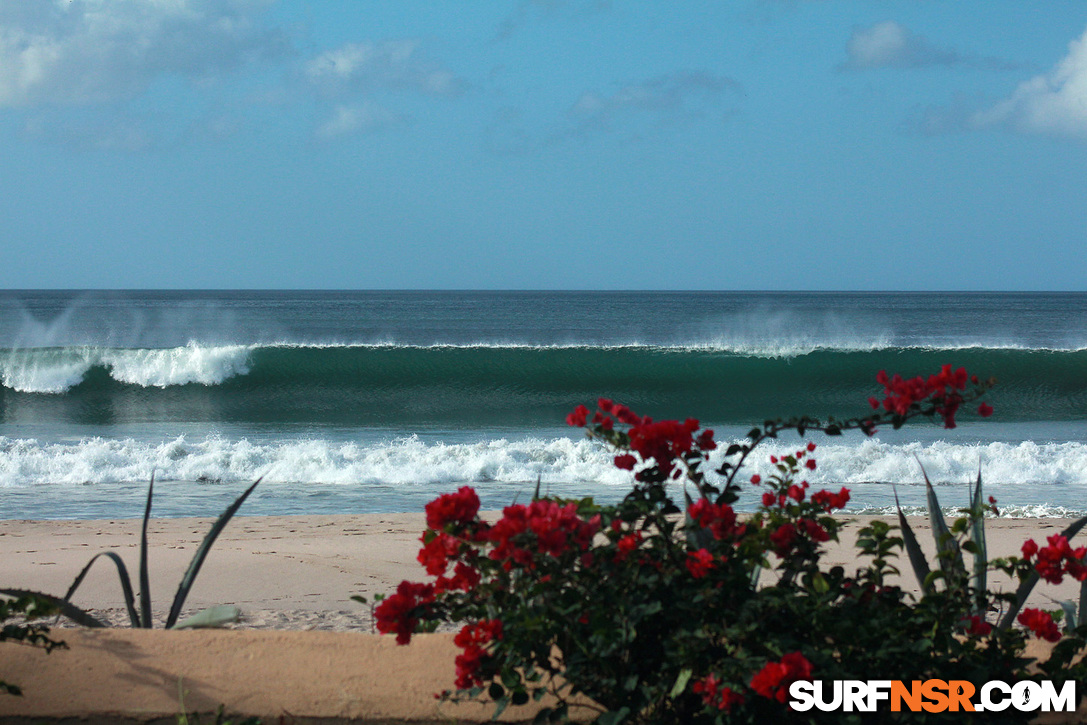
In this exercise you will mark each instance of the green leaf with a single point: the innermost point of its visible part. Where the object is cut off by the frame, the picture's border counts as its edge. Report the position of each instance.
(1082, 602)
(66, 609)
(211, 617)
(950, 558)
(126, 585)
(681, 683)
(614, 717)
(202, 553)
(496, 691)
(979, 580)
(145, 579)
(913, 548)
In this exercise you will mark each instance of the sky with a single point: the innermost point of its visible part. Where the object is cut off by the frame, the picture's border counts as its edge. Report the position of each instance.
(543, 144)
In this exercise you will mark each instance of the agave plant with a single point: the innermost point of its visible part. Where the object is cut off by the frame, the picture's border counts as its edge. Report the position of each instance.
(141, 617)
(952, 568)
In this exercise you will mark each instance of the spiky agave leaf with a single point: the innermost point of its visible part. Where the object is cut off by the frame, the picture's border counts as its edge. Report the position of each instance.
(202, 553)
(1027, 584)
(145, 578)
(65, 609)
(949, 554)
(913, 548)
(1083, 602)
(126, 586)
(979, 580)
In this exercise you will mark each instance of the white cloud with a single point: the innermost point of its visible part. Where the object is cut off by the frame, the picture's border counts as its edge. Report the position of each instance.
(93, 51)
(889, 44)
(1054, 103)
(673, 92)
(394, 65)
(355, 119)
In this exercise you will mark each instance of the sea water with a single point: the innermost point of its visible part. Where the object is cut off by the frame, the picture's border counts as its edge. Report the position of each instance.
(378, 401)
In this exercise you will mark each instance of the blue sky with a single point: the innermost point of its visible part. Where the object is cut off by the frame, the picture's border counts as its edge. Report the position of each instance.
(546, 144)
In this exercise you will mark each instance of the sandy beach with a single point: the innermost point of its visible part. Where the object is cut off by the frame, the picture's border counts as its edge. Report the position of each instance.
(290, 576)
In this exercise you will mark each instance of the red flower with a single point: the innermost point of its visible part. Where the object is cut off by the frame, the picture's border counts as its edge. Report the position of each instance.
(664, 441)
(473, 638)
(625, 462)
(814, 530)
(783, 539)
(453, 508)
(978, 626)
(627, 544)
(1057, 559)
(830, 501)
(811, 447)
(719, 518)
(810, 463)
(985, 410)
(699, 563)
(756, 479)
(436, 552)
(773, 680)
(465, 579)
(542, 527)
(397, 613)
(1041, 623)
(769, 499)
(578, 417)
(714, 694)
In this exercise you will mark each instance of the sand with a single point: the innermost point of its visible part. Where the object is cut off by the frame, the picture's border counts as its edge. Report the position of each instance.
(290, 576)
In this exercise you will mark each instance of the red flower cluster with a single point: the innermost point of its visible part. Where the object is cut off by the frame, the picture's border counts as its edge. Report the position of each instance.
(715, 694)
(606, 410)
(774, 679)
(1057, 559)
(830, 501)
(1041, 623)
(473, 638)
(452, 508)
(785, 537)
(664, 441)
(398, 612)
(718, 518)
(977, 626)
(437, 551)
(667, 440)
(555, 528)
(627, 544)
(944, 388)
(699, 563)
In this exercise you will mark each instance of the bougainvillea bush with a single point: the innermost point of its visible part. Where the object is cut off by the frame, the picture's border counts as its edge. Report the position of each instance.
(669, 607)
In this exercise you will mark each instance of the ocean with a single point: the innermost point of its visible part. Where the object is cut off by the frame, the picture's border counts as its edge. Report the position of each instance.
(378, 401)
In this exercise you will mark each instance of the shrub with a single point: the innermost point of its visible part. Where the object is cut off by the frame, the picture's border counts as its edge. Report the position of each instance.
(654, 610)
(28, 631)
(141, 617)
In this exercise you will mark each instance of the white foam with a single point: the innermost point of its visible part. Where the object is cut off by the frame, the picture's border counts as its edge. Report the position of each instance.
(45, 371)
(177, 366)
(25, 462)
(57, 370)
(1050, 472)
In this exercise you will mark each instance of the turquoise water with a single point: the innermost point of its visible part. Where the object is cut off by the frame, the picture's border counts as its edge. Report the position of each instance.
(376, 401)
